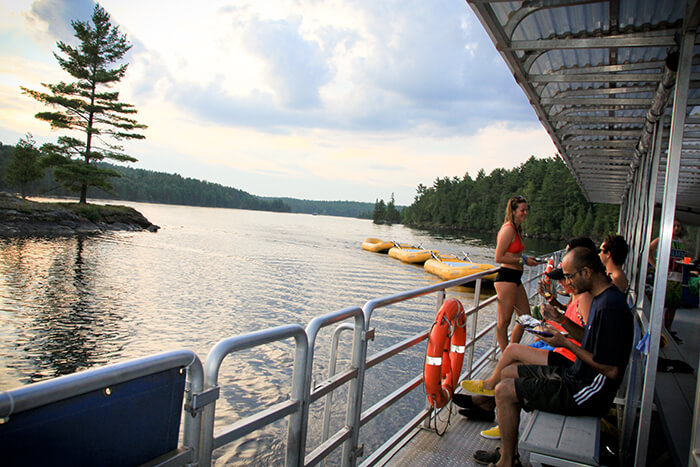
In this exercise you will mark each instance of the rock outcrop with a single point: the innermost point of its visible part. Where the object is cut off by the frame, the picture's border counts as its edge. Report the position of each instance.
(19, 217)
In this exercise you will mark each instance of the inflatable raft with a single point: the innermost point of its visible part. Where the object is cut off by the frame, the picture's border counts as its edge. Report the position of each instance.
(377, 245)
(411, 254)
(448, 267)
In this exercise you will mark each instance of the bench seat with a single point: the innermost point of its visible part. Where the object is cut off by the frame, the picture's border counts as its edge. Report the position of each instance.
(561, 440)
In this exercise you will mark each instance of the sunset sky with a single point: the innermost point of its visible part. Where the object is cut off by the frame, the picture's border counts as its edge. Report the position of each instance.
(312, 99)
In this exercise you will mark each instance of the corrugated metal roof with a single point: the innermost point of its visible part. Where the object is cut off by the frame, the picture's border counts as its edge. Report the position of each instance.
(592, 70)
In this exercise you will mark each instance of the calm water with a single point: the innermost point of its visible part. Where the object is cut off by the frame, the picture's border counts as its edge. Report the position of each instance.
(75, 303)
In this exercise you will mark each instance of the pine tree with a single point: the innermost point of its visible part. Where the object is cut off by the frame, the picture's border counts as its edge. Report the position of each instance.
(24, 166)
(379, 215)
(392, 214)
(84, 106)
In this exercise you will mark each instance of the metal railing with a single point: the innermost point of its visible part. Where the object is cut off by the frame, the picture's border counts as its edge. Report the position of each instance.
(303, 394)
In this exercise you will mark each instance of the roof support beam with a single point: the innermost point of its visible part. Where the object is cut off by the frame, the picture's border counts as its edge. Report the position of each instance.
(621, 40)
(595, 119)
(565, 77)
(595, 101)
(518, 15)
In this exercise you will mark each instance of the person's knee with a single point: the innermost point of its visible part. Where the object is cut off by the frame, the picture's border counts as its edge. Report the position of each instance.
(511, 371)
(505, 391)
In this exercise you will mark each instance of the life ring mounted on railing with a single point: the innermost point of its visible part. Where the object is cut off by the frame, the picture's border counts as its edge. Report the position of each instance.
(445, 353)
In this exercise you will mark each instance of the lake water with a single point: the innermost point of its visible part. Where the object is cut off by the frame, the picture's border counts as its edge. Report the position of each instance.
(70, 304)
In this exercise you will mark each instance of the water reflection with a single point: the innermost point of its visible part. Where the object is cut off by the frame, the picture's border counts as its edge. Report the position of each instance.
(208, 274)
(53, 295)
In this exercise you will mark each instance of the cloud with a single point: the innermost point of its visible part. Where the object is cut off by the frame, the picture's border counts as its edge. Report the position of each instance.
(295, 67)
(58, 14)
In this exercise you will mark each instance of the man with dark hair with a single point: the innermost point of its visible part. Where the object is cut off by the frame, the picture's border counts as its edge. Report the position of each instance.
(588, 387)
(613, 252)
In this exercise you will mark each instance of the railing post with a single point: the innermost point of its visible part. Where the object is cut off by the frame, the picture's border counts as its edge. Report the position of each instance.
(474, 320)
(351, 450)
(192, 423)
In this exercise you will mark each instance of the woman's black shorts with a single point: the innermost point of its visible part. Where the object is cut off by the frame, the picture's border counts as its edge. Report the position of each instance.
(509, 275)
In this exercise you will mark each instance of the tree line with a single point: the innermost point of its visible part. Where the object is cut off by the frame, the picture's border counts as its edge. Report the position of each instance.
(557, 208)
(21, 171)
(386, 213)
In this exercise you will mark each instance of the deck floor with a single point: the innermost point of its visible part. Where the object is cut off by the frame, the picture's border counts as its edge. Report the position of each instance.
(462, 437)
(456, 446)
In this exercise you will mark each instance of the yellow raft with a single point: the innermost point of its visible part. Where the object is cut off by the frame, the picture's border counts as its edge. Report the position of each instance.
(411, 254)
(448, 267)
(376, 245)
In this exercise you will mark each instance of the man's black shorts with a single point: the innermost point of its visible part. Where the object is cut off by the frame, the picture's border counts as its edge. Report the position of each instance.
(542, 388)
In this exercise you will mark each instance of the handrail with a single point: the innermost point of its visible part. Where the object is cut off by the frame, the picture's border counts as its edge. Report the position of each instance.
(298, 406)
(304, 394)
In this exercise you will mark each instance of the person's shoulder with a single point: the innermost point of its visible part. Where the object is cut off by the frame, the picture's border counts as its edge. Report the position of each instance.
(507, 229)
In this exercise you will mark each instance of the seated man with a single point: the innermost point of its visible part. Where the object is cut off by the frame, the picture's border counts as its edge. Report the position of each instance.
(589, 386)
(613, 252)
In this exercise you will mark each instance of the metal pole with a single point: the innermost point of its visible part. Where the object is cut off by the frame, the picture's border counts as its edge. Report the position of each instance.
(192, 423)
(351, 448)
(474, 318)
(331, 372)
(680, 101)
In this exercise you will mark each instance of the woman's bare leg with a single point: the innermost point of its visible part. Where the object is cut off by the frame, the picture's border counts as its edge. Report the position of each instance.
(523, 305)
(507, 293)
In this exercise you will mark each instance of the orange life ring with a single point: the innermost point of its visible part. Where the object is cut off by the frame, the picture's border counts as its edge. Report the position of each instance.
(445, 354)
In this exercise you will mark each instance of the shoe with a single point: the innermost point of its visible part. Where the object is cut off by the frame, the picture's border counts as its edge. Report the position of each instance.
(476, 387)
(674, 334)
(463, 400)
(492, 457)
(491, 433)
(487, 457)
(478, 414)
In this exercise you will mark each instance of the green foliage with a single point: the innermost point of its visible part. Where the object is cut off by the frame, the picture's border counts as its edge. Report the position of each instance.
(86, 107)
(392, 214)
(329, 208)
(379, 214)
(386, 213)
(24, 165)
(558, 209)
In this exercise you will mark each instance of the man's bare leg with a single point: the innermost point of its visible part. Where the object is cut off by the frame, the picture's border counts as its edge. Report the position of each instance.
(513, 355)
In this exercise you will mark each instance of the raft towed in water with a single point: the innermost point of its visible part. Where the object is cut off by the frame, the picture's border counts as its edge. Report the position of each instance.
(449, 266)
(411, 254)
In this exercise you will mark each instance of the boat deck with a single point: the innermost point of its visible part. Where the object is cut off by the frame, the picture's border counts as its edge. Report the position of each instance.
(462, 438)
(457, 445)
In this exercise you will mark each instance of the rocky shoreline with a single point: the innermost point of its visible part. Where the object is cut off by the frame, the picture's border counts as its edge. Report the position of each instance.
(23, 218)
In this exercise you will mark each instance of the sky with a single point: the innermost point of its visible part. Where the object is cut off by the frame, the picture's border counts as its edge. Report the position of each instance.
(313, 99)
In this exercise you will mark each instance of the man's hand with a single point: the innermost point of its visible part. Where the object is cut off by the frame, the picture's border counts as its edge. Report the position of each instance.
(550, 313)
(557, 340)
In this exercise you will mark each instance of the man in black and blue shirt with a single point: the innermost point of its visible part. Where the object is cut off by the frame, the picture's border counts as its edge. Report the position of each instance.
(589, 386)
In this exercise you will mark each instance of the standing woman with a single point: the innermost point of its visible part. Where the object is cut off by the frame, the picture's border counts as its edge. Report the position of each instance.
(508, 284)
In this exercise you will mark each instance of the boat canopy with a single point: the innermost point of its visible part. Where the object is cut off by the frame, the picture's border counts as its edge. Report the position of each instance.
(616, 84)
(599, 75)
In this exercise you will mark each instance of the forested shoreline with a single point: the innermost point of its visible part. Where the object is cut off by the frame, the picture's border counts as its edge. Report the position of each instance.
(143, 185)
(558, 209)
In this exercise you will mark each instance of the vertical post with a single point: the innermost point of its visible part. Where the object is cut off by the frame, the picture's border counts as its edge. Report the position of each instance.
(192, 423)
(296, 431)
(649, 209)
(680, 100)
(474, 319)
(352, 417)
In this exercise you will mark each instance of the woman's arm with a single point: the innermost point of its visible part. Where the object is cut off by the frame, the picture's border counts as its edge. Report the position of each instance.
(505, 237)
(652, 252)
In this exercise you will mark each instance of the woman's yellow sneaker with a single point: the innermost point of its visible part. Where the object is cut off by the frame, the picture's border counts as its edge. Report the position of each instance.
(492, 433)
(476, 387)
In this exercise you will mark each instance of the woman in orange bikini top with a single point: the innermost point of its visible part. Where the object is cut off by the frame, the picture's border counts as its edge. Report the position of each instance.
(508, 284)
